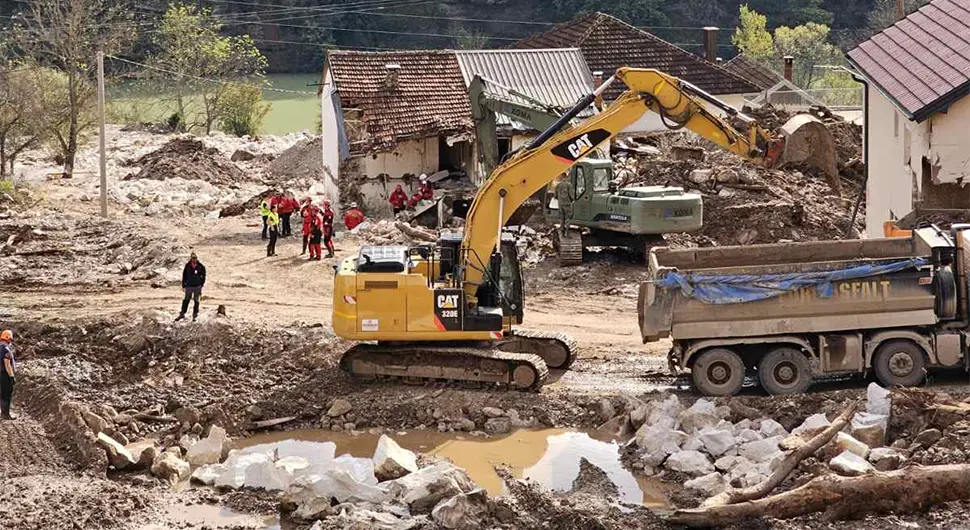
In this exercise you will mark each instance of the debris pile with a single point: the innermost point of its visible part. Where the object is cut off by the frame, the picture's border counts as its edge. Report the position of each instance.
(303, 160)
(189, 159)
(177, 196)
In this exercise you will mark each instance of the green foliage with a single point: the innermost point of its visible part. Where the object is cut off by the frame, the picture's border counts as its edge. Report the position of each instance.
(470, 39)
(242, 109)
(809, 45)
(636, 12)
(836, 87)
(883, 13)
(752, 37)
(23, 118)
(191, 50)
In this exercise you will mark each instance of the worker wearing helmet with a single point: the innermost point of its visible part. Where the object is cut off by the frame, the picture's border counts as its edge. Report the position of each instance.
(398, 199)
(328, 228)
(307, 211)
(426, 191)
(8, 368)
(353, 217)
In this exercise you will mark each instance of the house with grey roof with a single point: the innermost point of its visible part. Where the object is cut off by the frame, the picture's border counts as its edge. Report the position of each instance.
(917, 141)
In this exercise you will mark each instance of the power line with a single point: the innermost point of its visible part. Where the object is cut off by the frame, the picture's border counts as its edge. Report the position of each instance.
(361, 30)
(335, 9)
(208, 80)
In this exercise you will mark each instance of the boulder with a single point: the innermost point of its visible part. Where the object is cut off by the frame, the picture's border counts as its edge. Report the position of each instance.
(878, 400)
(339, 408)
(869, 429)
(727, 463)
(255, 412)
(208, 450)
(338, 484)
(693, 443)
(361, 469)
(234, 475)
(315, 509)
(886, 459)
(770, 427)
(710, 484)
(723, 412)
(638, 416)
(605, 411)
(265, 475)
(701, 414)
(187, 441)
(426, 487)
(742, 425)
(171, 468)
(465, 511)
(657, 441)
(815, 421)
(761, 450)
(498, 425)
(96, 423)
(391, 461)
(665, 413)
(241, 155)
(207, 475)
(619, 427)
(717, 442)
(849, 464)
(118, 455)
(749, 435)
(845, 442)
(188, 415)
(928, 437)
(143, 453)
(493, 412)
(690, 462)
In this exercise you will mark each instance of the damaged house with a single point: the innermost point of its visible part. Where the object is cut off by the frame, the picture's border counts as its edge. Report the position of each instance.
(917, 109)
(407, 112)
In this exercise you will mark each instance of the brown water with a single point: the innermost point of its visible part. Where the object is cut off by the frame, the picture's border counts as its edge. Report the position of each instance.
(210, 516)
(550, 457)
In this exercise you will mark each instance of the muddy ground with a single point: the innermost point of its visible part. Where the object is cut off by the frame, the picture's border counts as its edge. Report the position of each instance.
(92, 305)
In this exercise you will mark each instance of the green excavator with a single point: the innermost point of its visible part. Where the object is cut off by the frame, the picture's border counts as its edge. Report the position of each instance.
(604, 215)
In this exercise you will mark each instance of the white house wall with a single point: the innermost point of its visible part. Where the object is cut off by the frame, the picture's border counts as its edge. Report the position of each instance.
(949, 143)
(383, 171)
(890, 188)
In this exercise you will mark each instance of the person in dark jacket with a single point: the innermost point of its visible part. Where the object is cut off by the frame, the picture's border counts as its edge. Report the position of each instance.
(193, 280)
(8, 373)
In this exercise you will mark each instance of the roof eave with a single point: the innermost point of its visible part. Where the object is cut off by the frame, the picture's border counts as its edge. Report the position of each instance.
(895, 102)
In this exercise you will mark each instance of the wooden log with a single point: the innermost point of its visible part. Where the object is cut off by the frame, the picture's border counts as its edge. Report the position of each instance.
(141, 416)
(415, 233)
(908, 490)
(791, 462)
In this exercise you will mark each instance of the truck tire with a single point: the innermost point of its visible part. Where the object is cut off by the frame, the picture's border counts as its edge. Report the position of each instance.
(785, 370)
(899, 363)
(718, 372)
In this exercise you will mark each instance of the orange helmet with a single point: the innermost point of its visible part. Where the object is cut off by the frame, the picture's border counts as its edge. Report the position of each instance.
(6, 336)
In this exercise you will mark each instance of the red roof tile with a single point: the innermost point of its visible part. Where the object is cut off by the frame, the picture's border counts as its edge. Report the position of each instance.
(429, 98)
(921, 62)
(609, 43)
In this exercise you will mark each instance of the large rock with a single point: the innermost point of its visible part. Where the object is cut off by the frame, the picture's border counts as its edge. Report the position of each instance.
(188, 415)
(928, 437)
(339, 408)
(869, 429)
(118, 455)
(657, 441)
(336, 484)
(425, 488)
(701, 414)
(236, 466)
(690, 462)
(845, 442)
(143, 453)
(391, 461)
(727, 463)
(850, 465)
(886, 459)
(879, 400)
(207, 475)
(493, 412)
(208, 450)
(498, 425)
(171, 468)
(761, 450)
(710, 484)
(665, 413)
(770, 427)
(749, 435)
(717, 442)
(96, 423)
(465, 511)
(815, 421)
(265, 475)
(605, 410)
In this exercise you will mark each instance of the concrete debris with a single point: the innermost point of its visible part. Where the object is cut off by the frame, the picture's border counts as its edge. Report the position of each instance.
(209, 449)
(869, 429)
(118, 456)
(189, 159)
(391, 461)
(844, 442)
(879, 400)
(815, 421)
(710, 484)
(690, 462)
(717, 442)
(168, 466)
(425, 488)
(464, 511)
(849, 464)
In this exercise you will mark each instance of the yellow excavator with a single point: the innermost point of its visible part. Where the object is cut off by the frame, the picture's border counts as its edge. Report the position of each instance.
(447, 310)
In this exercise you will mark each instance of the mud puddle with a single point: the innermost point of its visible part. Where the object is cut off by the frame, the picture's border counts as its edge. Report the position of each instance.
(550, 457)
(211, 516)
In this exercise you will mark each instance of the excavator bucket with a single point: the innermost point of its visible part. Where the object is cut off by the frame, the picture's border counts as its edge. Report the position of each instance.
(808, 141)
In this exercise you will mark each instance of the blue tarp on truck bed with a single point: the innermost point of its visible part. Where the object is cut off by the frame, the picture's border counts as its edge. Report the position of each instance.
(734, 289)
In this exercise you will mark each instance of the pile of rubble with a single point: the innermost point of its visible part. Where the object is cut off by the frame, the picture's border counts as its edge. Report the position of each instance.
(303, 160)
(189, 159)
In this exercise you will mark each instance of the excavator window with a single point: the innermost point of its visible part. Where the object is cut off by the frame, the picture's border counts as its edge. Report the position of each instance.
(579, 182)
(601, 179)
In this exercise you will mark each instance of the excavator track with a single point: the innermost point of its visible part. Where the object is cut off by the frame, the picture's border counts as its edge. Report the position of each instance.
(558, 350)
(431, 362)
(570, 248)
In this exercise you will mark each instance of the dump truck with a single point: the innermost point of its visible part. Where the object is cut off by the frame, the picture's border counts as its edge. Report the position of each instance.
(790, 313)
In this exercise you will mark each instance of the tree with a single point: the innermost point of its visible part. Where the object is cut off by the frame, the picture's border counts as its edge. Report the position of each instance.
(23, 115)
(883, 13)
(242, 110)
(66, 35)
(191, 52)
(809, 45)
(470, 39)
(752, 37)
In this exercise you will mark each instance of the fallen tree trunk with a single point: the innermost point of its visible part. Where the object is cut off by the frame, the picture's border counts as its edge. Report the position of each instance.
(415, 233)
(904, 491)
(787, 466)
(141, 416)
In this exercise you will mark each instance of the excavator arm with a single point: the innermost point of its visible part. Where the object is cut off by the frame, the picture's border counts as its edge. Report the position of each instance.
(680, 104)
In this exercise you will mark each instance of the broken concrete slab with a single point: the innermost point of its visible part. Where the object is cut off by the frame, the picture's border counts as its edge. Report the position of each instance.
(869, 429)
(690, 462)
(878, 400)
(391, 461)
(207, 475)
(849, 464)
(426, 487)
(209, 449)
(171, 468)
(464, 511)
(845, 442)
(710, 484)
(118, 456)
(717, 442)
(815, 421)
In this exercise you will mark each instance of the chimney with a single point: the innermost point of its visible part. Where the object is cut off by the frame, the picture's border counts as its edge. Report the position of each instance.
(789, 68)
(393, 70)
(710, 43)
(900, 9)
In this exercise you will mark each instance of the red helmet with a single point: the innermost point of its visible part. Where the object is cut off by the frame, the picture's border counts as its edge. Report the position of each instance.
(398, 188)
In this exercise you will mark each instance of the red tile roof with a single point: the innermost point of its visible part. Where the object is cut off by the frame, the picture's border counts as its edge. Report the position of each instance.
(921, 62)
(609, 43)
(756, 73)
(429, 98)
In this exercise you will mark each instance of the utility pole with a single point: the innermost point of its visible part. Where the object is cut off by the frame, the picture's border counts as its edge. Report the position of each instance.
(900, 9)
(103, 161)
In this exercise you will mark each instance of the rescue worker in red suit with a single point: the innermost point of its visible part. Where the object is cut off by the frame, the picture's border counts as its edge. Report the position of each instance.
(307, 211)
(398, 199)
(353, 217)
(328, 228)
(425, 192)
(316, 233)
(287, 206)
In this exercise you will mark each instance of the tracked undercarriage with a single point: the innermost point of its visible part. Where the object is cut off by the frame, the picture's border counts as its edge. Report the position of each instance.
(516, 361)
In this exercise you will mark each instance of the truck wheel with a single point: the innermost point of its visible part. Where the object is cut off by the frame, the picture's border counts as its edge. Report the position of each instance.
(785, 371)
(899, 363)
(718, 372)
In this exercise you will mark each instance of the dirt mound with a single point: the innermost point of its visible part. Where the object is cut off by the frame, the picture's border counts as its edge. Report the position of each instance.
(302, 160)
(188, 159)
